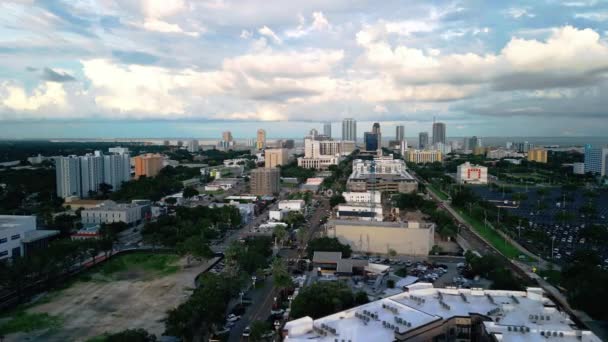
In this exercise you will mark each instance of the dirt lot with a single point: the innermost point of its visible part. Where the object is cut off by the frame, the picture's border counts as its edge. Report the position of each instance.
(90, 308)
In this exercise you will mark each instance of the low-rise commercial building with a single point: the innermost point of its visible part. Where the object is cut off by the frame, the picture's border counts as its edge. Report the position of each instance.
(425, 313)
(363, 197)
(383, 174)
(407, 238)
(360, 211)
(108, 212)
(471, 174)
(423, 156)
(18, 236)
(292, 205)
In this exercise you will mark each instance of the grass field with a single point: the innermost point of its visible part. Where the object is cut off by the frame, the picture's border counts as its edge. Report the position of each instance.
(150, 265)
(23, 321)
(492, 236)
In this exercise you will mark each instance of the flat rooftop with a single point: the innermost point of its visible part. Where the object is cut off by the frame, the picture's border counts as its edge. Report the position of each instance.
(512, 316)
(14, 221)
(383, 224)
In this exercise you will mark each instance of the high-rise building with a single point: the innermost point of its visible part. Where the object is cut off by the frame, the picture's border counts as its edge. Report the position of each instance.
(327, 129)
(289, 143)
(596, 159)
(116, 170)
(438, 132)
(261, 139)
(148, 165)
(538, 155)
(423, 140)
(399, 133)
(80, 176)
(67, 171)
(91, 173)
(265, 181)
(180, 143)
(522, 147)
(275, 157)
(370, 139)
(166, 143)
(320, 154)
(349, 129)
(192, 146)
(471, 143)
(227, 136)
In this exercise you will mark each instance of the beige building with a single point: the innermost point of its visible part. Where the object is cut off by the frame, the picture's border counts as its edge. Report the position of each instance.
(320, 154)
(538, 155)
(148, 165)
(275, 157)
(227, 136)
(408, 238)
(423, 156)
(261, 139)
(265, 181)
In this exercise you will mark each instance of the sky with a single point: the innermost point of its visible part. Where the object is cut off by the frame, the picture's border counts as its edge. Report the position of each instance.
(194, 68)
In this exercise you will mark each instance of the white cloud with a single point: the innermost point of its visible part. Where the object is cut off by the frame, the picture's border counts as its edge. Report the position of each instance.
(245, 34)
(157, 25)
(520, 12)
(319, 24)
(380, 109)
(266, 31)
(282, 64)
(162, 8)
(593, 16)
(48, 94)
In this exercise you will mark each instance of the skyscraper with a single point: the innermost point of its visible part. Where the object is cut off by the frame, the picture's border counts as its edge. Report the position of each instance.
(596, 159)
(261, 139)
(370, 139)
(227, 136)
(116, 169)
(327, 129)
(423, 140)
(91, 173)
(265, 181)
(400, 133)
(349, 129)
(192, 146)
(438, 132)
(67, 171)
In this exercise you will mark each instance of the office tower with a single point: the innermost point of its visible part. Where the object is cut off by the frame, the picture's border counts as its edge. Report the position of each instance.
(166, 143)
(423, 140)
(148, 165)
(67, 171)
(289, 143)
(265, 181)
(313, 133)
(438, 132)
(472, 143)
(596, 159)
(327, 129)
(227, 136)
(349, 129)
(180, 143)
(261, 139)
(508, 145)
(400, 133)
(192, 146)
(275, 157)
(538, 155)
(91, 173)
(116, 170)
(376, 131)
(370, 139)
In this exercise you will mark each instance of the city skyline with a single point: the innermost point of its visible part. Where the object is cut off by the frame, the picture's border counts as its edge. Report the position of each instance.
(112, 66)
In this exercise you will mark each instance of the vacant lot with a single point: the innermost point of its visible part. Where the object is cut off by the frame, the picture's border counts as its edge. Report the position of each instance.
(131, 291)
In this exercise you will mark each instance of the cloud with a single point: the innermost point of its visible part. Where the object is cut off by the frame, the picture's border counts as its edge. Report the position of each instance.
(246, 34)
(319, 24)
(157, 25)
(593, 16)
(134, 57)
(267, 32)
(51, 75)
(519, 12)
(380, 109)
(48, 94)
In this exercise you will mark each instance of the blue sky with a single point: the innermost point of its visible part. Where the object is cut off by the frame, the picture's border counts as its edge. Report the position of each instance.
(157, 68)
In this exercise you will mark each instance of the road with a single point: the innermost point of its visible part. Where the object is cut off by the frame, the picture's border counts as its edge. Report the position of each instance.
(263, 297)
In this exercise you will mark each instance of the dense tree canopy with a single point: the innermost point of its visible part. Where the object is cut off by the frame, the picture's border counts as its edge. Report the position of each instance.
(327, 244)
(325, 298)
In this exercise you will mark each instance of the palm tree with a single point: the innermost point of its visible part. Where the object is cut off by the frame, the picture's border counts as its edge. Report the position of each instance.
(280, 233)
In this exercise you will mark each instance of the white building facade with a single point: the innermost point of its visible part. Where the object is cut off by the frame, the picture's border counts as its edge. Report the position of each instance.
(471, 174)
(12, 232)
(109, 212)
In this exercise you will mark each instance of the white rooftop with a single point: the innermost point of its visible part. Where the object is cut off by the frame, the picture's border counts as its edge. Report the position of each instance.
(512, 316)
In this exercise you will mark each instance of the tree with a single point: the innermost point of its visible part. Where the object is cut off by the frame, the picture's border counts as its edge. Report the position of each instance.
(190, 192)
(131, 335)
(392, 253)
(336, 199)
(322, 299)
(258, 330)
(105, 189)
(171, 200)
(196, 247)
(280, 275)
(294, 218)
(327, 244)
(280, 233)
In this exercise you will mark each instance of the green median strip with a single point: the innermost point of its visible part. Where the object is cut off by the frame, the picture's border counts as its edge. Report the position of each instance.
(437, 192)
(23, 321)
(505, 247)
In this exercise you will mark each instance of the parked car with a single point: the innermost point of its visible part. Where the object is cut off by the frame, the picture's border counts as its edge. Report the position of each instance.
(246, 332)
(233, 318)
